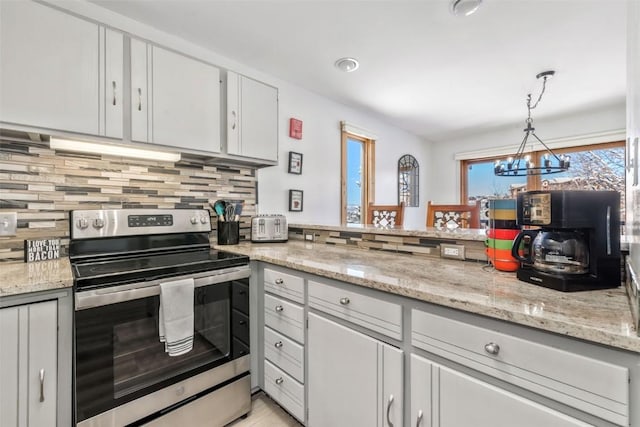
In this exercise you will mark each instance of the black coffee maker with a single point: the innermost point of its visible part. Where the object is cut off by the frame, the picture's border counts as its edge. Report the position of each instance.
(577, 246)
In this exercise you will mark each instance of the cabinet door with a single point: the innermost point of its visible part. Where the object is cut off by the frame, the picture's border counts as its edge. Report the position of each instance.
(28, 365)
(392, 386)
(43, 363)
(342, 369)
(113, 83)
(186, 102)
(487, 405)
(421, 395)
(50, 68)
(233, 113)
(140, 94)
(12, 396)
(258, 119)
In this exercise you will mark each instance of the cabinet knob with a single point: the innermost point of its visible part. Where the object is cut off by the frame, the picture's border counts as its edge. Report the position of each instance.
(344, 301)
(279, 281)
(492, 348)
(278, 344)
(41, 385)
(279, 308)
(419, 420)
(279, 381)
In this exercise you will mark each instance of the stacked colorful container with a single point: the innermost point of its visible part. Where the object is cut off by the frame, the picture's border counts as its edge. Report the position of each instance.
(501, 232)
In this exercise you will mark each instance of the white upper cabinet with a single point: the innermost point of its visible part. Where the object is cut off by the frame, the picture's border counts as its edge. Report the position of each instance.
(186, 102)
(252, 118)
(59, 71)
(175, 100)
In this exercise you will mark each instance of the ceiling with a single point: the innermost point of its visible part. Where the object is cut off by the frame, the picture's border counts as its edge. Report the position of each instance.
(421, 68)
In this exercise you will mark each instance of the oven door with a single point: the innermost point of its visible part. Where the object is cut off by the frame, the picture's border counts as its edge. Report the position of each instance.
(118, 354)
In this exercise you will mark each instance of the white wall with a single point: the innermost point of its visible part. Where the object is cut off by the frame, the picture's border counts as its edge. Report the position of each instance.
(446, 171)
(320, 146)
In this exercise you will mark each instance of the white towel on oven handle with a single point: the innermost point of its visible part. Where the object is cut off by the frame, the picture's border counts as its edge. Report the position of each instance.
(175, 317)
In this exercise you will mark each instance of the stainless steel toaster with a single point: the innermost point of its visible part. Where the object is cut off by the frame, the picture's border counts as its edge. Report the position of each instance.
(269, 228)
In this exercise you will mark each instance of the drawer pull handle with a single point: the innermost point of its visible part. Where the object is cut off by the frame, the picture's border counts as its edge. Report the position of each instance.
(242, 322)
(113, 84)
(279, 381)
(41, 385)
(278, 344)
(420, 415)
(492, 348)
(279, 281)
(344, 301)
(279, 308)
(389, 410)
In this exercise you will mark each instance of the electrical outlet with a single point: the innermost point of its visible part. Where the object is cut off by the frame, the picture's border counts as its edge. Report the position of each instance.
(8, 223)
(309, 237)
(448, 250)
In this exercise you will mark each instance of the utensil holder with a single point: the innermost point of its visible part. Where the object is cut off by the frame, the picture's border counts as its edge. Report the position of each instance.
(228, 232)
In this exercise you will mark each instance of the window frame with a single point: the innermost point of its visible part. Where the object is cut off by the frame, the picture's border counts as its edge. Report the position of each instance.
(368, 173)
(534, 182)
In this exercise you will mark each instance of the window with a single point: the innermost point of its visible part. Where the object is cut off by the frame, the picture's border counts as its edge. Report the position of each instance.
(357, 177)
(593, 167)
(408, 180)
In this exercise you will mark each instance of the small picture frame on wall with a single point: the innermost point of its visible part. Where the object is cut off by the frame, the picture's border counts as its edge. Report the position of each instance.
(295, 163)
(295, 200)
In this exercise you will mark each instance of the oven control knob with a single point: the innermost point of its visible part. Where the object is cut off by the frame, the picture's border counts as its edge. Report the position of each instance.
(82, 223)
(203, 219)
(194, 220)
(98, 223)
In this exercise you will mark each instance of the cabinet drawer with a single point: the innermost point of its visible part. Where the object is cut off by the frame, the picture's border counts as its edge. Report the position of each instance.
(285, 353)
(284, 317)
(588, 384)
(378, 315)
(284, 285)
(284, 389)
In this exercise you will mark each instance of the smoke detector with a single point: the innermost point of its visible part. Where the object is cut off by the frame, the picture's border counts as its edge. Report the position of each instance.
(464, 7)
(347, 64)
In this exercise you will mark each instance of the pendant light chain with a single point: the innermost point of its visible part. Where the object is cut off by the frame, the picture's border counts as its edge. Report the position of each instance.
(512, 166)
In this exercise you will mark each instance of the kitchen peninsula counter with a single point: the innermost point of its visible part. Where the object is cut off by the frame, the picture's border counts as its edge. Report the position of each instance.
(602, 317)
(24, 278)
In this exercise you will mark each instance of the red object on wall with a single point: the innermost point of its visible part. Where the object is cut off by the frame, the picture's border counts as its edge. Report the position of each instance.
(295, 128)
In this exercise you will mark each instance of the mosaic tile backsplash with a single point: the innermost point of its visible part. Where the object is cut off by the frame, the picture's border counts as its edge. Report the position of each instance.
(43, 185)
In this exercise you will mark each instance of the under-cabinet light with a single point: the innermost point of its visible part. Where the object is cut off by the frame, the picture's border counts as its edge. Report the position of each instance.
(113, 150)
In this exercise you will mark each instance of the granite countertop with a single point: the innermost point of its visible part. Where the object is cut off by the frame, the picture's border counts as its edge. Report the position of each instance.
(457, 234)
(602, 317)
(22, 278)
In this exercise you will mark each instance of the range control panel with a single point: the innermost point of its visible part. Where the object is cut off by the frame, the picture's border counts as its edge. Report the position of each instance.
(88, 224)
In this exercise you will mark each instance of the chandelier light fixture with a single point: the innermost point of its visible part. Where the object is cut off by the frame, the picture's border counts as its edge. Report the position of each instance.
(522, 164)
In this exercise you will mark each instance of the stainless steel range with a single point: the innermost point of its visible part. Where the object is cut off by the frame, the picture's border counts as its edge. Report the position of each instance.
(136, 272)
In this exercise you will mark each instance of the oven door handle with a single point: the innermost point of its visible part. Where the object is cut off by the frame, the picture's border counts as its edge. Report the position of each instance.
(113, 295)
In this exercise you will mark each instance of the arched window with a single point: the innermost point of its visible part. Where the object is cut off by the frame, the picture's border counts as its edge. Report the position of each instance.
(408, 180)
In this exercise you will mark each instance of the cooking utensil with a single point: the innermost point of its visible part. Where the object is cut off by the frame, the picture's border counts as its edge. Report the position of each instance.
(238, 211)
(230, 212)
(219, 208)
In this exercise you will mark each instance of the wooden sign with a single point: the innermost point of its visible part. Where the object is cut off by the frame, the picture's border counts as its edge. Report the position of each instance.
(41, 250)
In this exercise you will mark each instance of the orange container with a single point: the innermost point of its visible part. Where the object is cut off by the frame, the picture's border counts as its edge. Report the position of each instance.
(502, 259)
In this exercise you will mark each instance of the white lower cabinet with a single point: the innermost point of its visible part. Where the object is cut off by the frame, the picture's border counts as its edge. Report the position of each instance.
(28, 365)
(354, 380)
(443, 397)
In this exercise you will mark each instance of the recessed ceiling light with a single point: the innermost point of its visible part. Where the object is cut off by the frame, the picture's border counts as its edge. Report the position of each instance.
(347, 64)
(464, 7)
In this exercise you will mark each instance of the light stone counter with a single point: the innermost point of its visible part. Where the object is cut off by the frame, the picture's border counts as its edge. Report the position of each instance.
(22, 278)
(426, 232)
(598, 316)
